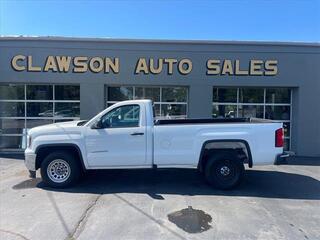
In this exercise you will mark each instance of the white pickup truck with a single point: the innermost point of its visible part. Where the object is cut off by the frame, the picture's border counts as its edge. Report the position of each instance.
(126, 136)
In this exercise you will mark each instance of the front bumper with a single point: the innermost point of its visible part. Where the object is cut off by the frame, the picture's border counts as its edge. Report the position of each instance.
(282, 158)
(30, 160)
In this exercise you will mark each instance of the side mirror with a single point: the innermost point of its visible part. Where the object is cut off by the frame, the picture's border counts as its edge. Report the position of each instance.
(97, 125)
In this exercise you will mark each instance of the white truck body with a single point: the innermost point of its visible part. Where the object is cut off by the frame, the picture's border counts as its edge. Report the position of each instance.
(148, 144)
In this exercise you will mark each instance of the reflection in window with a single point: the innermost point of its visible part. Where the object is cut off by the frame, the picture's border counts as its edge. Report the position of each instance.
(39, 109)
(31, 123)
(269, 103)
(286, 144)
(11, 92)
(156, 110)
(251, 95)
(278, 95)
(225, 95)
(26, 106)
(250, 111)
(120, 93)
(124, 116)
(12, 109)
(224, 111)
(39, 92)
(11, 142)
(174, 94)
(151, 93)
(67, 109)
(173, 110)
(278, 112)
(169, 102)
(67, 92)
(286, 127)
(12, 126)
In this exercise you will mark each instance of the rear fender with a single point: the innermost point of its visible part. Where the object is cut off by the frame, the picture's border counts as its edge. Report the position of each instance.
(202, 157)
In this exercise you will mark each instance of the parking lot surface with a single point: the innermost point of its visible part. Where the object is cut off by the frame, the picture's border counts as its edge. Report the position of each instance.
(273, 202)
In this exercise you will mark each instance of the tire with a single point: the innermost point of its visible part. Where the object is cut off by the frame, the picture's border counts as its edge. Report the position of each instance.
(224, 170)
(60, 169)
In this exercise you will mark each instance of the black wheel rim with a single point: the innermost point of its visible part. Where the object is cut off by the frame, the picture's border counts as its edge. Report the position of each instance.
(226, 171)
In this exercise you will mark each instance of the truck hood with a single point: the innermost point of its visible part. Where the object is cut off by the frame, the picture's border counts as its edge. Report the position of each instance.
(54, 128)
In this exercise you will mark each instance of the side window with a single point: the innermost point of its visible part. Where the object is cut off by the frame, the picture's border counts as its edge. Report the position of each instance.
(121, 117)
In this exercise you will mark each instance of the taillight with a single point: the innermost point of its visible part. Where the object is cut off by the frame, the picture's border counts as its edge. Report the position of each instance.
(279, 137)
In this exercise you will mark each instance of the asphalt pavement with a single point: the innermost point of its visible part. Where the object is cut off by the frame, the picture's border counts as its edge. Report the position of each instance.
(273, 202)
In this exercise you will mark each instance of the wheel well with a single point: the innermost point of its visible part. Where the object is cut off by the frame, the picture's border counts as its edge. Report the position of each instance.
(239, 147)
(44, 151)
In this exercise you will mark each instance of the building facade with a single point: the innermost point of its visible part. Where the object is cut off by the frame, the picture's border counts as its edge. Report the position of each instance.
(46, 80)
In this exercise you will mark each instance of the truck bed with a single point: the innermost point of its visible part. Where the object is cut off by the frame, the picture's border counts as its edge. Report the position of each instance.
(210, 120)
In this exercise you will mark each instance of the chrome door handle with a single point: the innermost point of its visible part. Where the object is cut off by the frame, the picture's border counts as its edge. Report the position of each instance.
(137, 134)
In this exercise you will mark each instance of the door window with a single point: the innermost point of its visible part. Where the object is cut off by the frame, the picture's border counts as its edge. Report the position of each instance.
(121, 117)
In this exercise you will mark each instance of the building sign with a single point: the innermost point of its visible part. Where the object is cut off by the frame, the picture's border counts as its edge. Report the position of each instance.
(65, 64)
(184, 66)
(229, 67)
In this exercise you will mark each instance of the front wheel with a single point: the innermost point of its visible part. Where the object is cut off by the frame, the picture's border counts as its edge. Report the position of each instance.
(224, 170)
(60, 170)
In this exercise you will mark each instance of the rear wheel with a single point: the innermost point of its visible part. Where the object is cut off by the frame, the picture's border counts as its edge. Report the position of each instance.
(60, 169)
(224, 170)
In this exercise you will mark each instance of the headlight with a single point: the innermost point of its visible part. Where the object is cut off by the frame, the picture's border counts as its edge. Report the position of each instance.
(29, 141)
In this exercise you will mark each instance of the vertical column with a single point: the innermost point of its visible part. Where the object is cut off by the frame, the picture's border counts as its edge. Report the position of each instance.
(294, 120)
(200, 101)
(306, 123)
(91, 99)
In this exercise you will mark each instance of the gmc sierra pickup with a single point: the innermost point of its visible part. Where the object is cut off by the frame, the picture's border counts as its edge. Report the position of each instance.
(126, 136)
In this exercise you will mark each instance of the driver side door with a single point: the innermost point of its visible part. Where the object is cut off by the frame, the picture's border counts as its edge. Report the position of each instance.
(120, 139)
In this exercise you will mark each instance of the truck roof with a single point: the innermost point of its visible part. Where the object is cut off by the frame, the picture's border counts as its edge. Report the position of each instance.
(137, 101)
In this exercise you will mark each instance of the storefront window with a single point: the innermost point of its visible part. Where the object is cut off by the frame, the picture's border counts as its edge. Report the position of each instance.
(12, 126)
(11, 142)
(26, 106)
(67, 92)
(224, 111)
(12, 109)
(31, 123)
(176, 94)
(286, 126)
(278, 112)
(39, 109)
(169, 102)
(225, 95)
(278, 95)
(11, 92)
(173, 110)
(67, 109)
(251, 95)
(268, 103)
(250, 111)
(39, 92)
(152, 93)
(120, 93)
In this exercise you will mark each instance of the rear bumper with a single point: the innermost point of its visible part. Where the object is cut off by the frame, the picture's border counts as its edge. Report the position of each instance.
(282, 158)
